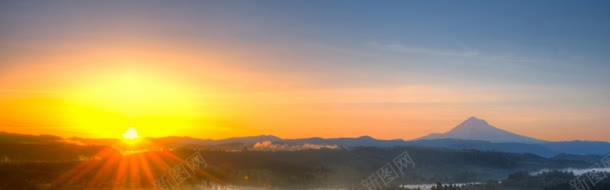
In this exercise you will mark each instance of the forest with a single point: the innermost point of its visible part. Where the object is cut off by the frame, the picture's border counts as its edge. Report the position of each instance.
(69, 166)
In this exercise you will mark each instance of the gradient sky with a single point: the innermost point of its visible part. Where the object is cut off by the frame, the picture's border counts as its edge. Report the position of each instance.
(392, 69)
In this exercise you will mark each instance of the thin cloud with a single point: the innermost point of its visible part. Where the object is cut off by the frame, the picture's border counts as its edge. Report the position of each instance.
(466, 52)
(402, 48)
(20, 91)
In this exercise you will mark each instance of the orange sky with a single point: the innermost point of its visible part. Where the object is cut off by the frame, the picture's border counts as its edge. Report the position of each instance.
(95, 70)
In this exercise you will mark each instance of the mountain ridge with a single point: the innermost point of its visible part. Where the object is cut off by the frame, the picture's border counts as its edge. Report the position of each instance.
(472, 134)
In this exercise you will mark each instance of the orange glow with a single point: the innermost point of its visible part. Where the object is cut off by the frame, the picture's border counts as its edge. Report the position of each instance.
(97, 91)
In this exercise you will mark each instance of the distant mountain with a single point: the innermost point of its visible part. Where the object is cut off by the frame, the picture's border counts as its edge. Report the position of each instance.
(472, 134)
(27, 139)
(577, 158)
(477, 129)
(579, 147)
(511, 147)
(350, 142)
(191, 140)
(248, 140)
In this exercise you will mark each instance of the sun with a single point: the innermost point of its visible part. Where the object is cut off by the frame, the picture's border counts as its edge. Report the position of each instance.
(132, 143)
(131, 134)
